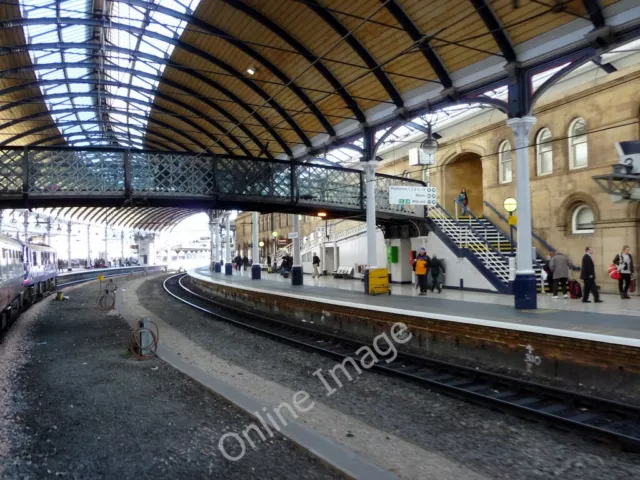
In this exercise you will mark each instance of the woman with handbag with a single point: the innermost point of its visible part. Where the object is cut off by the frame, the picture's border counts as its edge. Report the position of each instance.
(624, 262)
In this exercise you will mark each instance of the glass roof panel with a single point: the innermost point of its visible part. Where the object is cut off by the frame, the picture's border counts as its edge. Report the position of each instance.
(121, 31)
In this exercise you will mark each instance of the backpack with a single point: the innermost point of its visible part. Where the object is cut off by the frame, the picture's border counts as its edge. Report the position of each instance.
(575, 291)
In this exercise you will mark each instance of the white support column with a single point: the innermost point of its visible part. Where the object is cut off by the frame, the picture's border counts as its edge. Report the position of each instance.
(122, 246)
(335, 256)
(228, 266)
(216, 235)
(69, 246)
(255, 268)
(1, 216)
(370, 189)
(524, 286)
(296, 270)
(323, 250)
(106, 244)
(212, 254)
(89, 263)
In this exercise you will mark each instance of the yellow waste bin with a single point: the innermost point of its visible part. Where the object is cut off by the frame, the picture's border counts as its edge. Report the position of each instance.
(376, 281)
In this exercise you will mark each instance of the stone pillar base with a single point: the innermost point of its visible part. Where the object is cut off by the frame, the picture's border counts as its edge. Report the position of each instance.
(228, 269)
(296, 275)
(525, 291)
(217, 267)
(256, 271)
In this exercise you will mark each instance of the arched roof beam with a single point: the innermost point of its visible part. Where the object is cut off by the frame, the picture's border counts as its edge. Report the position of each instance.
(594, 10)
(357, 47)
(74, 123)
(305, 52)
(190, 49)
(95, 107)
(498, 32)
(173, 221)
(135, 216)
(140, 140)
(156, 217)
(207, 27)
(171, 83)
(35, 84)
(121, 213)
(423, 44)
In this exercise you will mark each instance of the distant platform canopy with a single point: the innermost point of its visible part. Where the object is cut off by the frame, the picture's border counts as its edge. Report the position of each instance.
(279, 79)
(153, 219)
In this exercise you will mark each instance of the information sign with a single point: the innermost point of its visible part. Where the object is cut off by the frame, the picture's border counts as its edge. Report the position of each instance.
(402, 195)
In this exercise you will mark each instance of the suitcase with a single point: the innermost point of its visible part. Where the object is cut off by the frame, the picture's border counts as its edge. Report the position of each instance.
(575, 290)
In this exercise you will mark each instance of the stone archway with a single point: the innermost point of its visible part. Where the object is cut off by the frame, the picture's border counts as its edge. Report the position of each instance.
(464, 171)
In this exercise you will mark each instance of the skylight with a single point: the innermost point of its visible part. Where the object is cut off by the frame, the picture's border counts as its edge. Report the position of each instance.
(89, 99)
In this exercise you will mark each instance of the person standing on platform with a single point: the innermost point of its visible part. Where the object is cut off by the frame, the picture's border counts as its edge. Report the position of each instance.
(624, 261)
(464, 200)
(268, 260)
(316, 266)
(559, 266)
(421, 269)
(245, 262)
(436, 269)
(588, 275)
(548, 271)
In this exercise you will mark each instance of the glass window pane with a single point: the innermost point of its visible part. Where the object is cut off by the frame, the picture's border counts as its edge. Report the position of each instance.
(580, 155)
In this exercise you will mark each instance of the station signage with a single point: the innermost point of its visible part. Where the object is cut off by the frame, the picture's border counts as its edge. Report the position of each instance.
(292, 235)
(402, 195)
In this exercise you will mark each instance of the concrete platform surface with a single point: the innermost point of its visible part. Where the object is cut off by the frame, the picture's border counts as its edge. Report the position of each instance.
(614, 319)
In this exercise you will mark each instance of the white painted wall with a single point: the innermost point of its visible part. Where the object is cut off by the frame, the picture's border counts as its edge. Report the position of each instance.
(354, 250)
(455, 268)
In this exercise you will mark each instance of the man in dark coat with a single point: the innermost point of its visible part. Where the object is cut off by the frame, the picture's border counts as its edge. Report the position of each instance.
(436, 270)
(588, 275)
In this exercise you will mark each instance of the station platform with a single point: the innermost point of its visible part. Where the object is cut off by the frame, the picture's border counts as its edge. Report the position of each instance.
(615, 320)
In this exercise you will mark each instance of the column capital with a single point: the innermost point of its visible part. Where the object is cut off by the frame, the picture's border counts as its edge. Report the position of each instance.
(370, 167)
(521, 126)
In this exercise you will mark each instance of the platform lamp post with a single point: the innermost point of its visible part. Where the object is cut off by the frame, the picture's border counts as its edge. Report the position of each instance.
(261, 245)
(511, 205)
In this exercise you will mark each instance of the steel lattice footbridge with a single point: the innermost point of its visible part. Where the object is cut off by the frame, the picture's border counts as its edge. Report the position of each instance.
(47, 177)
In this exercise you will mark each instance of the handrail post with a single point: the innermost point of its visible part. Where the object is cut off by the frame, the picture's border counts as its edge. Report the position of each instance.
(456, 205)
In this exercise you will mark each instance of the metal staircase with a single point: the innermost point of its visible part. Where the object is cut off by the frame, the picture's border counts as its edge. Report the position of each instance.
(500, 242)
(465, 235)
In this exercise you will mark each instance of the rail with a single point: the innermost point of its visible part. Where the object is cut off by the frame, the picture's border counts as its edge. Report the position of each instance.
(93, 273)
(596, 417)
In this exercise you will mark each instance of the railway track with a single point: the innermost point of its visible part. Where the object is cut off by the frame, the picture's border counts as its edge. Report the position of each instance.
(598, 418)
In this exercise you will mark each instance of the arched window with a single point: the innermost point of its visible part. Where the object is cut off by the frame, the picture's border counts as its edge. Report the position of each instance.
(578, 150)
(505, 162)
(582, 220)
(544, 152)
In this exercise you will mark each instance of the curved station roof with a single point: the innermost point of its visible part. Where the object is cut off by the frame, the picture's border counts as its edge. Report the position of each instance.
(278, 78)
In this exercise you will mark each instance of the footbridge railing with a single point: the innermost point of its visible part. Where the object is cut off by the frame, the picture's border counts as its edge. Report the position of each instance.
(55, 176)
